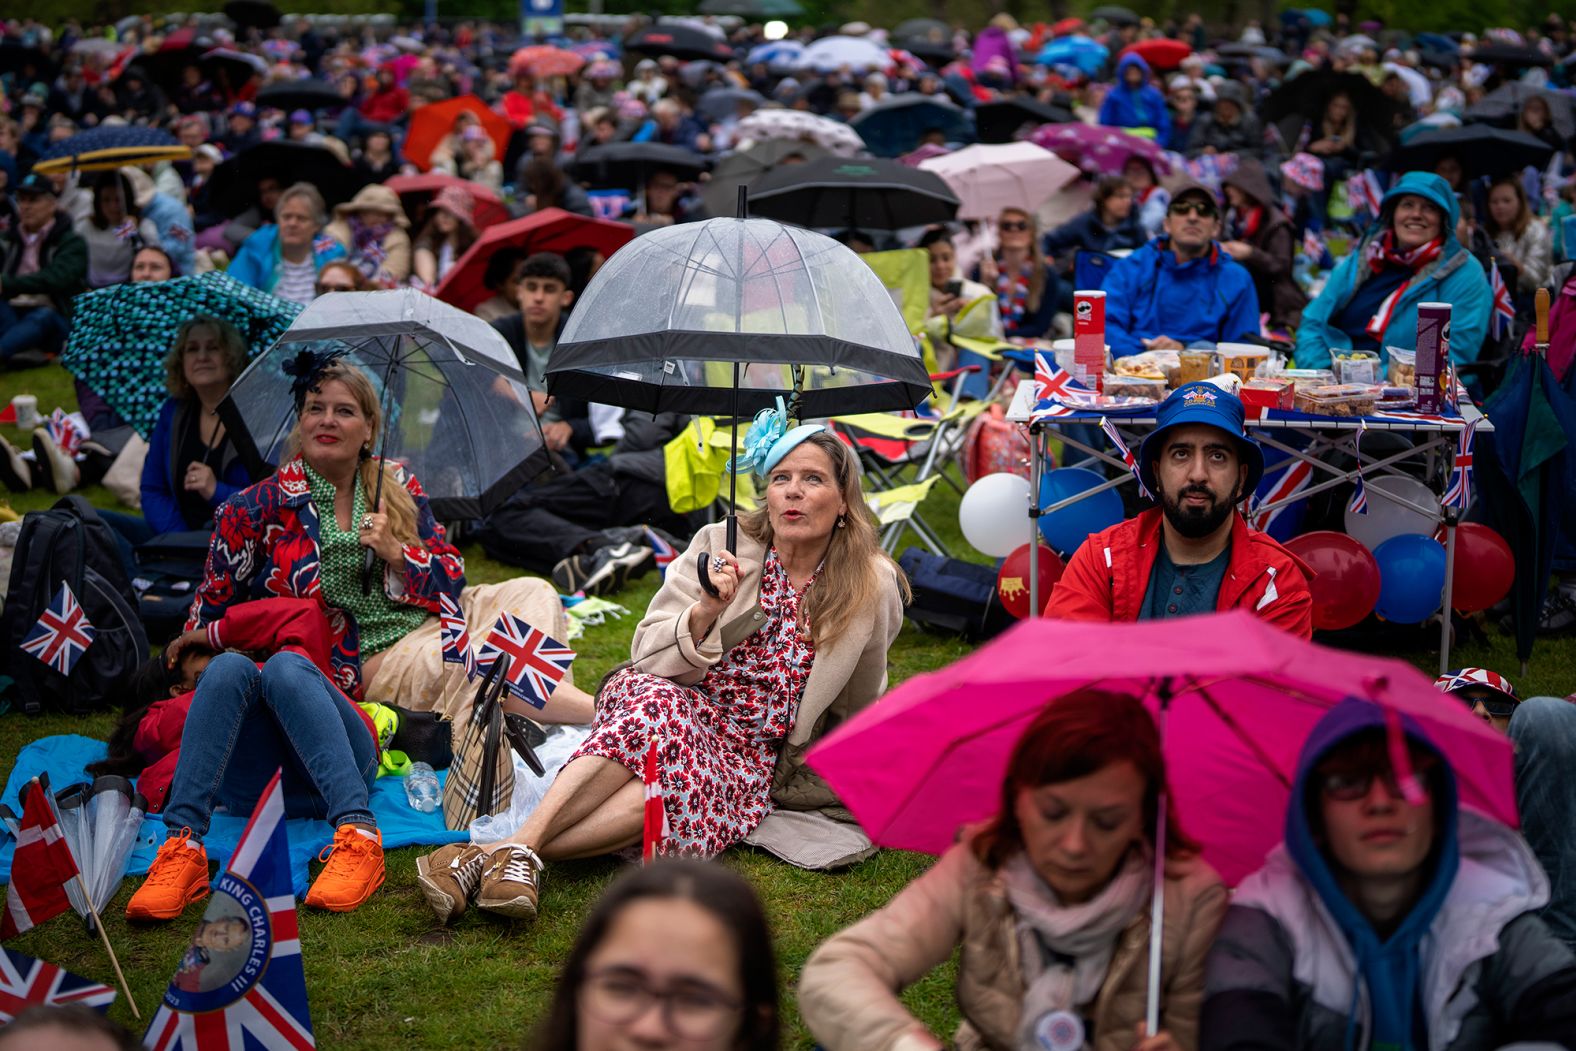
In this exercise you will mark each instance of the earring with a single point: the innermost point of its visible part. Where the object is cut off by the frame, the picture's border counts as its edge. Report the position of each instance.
(842, 520)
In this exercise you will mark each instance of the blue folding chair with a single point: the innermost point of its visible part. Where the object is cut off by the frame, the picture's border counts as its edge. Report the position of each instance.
(1090, 269)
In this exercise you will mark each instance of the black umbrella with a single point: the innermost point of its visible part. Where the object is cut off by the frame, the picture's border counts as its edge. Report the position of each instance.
(1247, 52)
(864, 193)
(720, 104)
(29, 62)
(1115, 14)
(728, 316)
(1000, 121)
(1509, 55)
(233, 186)
(165, 66)
(259, 13)
(681, 41)
(891, 128)
(307, 94)
(626, 165)
(929, 38)
(1502, 107)
(746, 166)
(1481, 149)
(1305, 97)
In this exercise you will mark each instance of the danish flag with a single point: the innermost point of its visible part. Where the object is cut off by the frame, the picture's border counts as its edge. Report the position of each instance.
(1503, 313)
(654, 827)
(25, 982)
(41, 867)
(537, 663)
(455, 635)
(1459, 492)
(63, 633)
(1127, 456)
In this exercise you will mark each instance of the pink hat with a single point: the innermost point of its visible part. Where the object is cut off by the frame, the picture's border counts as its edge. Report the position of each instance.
(1304, 170)
(457, 203)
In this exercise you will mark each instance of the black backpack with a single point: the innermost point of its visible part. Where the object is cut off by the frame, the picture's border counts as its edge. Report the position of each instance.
(954, 596)
(71, 543)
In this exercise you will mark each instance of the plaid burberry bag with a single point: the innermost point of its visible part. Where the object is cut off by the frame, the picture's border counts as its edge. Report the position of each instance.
(481, 778)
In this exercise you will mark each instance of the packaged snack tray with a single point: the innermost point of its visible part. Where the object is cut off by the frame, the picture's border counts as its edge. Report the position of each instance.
(1402, 370)
(1357, 366)
(1194, 365)
(1307, 379)
(1242, 359)
(1118, 386)
(1150, 364)
(1397, 398)
(1346, 399)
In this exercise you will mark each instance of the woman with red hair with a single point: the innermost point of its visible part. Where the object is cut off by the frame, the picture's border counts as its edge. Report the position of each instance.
(1050, 902)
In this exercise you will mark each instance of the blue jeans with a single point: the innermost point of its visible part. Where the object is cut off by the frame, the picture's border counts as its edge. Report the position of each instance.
(289, 716)
(1544, 733)
(130, 530)
(30, 328)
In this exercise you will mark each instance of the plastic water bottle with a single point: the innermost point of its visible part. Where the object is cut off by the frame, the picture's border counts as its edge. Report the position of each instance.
(421, 788)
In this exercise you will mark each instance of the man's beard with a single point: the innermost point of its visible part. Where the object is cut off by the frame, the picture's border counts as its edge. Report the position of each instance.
(1195, 523)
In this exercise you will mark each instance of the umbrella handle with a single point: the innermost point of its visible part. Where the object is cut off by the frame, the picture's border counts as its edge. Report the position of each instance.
(703, 570)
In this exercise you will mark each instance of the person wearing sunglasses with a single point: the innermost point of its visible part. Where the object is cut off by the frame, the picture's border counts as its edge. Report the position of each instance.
(1181, 288)
(1391, 916)
(1543, 731)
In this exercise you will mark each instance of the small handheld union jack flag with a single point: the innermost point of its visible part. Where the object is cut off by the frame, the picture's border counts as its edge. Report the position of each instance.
(25, 982)
(63, 431)
(1358, 505)
(663, 550)
(1127, 456)
(62, 634)
(455, 635)
(1458, 493)
(1312, 246)
(537, 663)
(1503, 313)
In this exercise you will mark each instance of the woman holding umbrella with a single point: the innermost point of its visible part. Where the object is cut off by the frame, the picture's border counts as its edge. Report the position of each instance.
(794, 636)
(1050, 902)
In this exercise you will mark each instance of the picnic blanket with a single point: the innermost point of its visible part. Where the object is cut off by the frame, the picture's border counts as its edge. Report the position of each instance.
(65, 757)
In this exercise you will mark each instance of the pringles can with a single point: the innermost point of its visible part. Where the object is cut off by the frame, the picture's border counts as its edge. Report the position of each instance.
(1089, 339)
(1433, 355)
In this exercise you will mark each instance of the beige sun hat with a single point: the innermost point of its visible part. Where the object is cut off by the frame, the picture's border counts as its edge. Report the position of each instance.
(374, 198)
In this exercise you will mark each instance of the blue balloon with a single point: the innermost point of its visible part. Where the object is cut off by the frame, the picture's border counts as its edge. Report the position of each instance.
(1064, 530)
(1411, 578)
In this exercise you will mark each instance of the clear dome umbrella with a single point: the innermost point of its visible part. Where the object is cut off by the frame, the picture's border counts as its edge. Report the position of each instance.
(726, 316)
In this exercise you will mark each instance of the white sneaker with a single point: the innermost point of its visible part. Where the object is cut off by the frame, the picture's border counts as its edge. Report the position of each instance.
(56, 469)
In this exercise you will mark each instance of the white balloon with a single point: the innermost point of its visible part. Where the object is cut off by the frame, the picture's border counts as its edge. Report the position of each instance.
(1386, 518)
(994, 514)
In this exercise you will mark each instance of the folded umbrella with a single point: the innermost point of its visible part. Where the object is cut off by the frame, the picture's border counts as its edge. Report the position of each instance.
(863, 193)
(233, 185)
(120, 335)
(308, 94)
(434, 122)
(892, 128)
(104, 149)
(550, 230)
(1000, 120)
(1481, 148)
(987, 179)
(416, 190)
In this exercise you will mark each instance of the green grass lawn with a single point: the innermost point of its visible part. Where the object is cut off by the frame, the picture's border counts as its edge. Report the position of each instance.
(389, 976)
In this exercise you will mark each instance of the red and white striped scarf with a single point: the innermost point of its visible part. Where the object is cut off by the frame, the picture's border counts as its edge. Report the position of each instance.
(1380, 253)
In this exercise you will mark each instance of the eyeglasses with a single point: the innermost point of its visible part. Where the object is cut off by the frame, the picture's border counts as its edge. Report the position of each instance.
(324, 288)
(1497, 705)
(690, 1013)
(1348, 786)
(1013, 224)
(1203, 208)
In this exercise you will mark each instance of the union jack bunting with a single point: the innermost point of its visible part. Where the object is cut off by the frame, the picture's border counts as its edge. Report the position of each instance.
(62, 634)
(1458, 493)
(1358, 505)
(455, 635)
(1127, 456)
(663, 550)
(1292, 481)
(25, 982)
(537, 662)
(240, 984)
(1503, 314)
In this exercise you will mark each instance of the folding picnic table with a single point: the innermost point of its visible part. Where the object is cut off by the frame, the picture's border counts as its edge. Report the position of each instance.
(1434, 434)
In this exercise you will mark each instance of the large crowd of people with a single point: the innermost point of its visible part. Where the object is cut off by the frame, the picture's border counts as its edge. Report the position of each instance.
(1267, 189)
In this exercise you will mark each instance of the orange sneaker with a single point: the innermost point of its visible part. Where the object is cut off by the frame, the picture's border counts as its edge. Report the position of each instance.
(178, 877)
(353, 872)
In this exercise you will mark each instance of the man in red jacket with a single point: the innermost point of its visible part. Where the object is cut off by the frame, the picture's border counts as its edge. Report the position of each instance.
(1194, 553)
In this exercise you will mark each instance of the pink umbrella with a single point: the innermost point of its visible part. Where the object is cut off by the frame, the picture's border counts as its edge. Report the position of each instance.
(1098, 149)
(930, 756)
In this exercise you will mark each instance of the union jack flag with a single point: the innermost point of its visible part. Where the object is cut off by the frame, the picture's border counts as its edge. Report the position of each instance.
(1127, 456)
(1050, 379)
(537, 662)
(25, 982)
(250, 990)
(63, 431)
(1458, 493)
(1056, 385)
(1292, 481)
(63, 634)
(1503, 314)
(126, 230)
(455, 635)
(1364, 193)
(1312, 246)
(664, 551)
(1358, 505)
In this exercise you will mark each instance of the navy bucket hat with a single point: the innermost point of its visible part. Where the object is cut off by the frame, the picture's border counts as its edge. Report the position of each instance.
(1208, 404)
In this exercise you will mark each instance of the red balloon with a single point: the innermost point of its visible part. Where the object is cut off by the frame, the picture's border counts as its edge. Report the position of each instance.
(1485, 568)
(1012, 580)
(1345, 582)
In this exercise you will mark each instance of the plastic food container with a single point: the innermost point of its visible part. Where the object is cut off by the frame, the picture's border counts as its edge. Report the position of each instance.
(1397, 398)
(1242, 358)
(1307, 379)
(1062, 349)
(1268, 392)
(1357, 366)
(1346, 399)
(1150, 364)
(1194, 365)
(1134, 387)
(1402, 371)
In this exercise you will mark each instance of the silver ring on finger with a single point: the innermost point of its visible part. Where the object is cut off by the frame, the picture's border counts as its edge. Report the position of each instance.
(366, 523)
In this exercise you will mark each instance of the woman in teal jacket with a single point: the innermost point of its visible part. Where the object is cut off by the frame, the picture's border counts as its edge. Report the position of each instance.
(285, 256)
(1409, 256)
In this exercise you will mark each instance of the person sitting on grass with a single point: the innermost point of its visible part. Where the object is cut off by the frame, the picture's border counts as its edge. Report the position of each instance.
(43, 264)
(1050, 902)
(688, 938)
(1195, 552)
(1391, 916)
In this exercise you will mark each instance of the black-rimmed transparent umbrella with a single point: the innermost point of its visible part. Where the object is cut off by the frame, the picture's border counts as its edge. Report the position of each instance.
(726, 316)
(456, 409)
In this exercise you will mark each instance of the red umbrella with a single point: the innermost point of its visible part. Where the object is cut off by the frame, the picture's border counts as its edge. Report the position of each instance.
(432, 123)
(543, 61)
(550, 230)
(490, 208)
(1161, 53)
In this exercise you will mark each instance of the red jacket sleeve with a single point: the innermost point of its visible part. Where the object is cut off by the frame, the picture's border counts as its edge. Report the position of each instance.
(277, 625)
(1293, 610)
(1084, 592)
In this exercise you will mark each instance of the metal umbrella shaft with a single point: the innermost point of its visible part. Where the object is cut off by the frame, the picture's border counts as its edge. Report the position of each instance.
(377, 488)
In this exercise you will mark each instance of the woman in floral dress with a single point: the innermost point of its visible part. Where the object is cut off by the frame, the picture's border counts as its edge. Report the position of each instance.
(733, 687)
